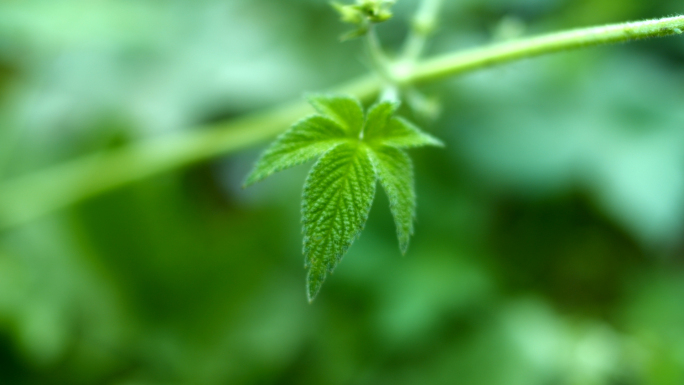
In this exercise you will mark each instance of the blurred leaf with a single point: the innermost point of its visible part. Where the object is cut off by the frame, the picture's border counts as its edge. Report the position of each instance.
(345, 110)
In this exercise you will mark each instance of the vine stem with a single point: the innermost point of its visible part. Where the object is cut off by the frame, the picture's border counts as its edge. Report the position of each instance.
(422, 27)
(378, 58)
(31, 196)
(452, 64)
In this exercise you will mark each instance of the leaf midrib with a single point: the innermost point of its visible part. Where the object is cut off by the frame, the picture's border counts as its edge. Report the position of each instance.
(336, 199)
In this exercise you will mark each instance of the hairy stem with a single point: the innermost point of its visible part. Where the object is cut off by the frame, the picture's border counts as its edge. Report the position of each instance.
(32, 196)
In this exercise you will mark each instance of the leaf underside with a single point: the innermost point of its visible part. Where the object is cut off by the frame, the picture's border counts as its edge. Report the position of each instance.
(354, 152)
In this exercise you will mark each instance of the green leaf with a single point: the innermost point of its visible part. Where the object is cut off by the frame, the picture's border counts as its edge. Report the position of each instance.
(395, 172)
(362, 30)
(354, 152)
(345, 110)
(304, 141)
(377, 118)
(399, 133)
(338, 194)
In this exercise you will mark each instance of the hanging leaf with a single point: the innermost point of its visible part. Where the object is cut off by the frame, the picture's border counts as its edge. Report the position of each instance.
(338, 194)
(354, 152)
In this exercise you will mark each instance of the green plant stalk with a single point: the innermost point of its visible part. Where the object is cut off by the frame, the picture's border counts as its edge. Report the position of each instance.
(29, 197)
(422, 27)
(381, 64)
(457, 63)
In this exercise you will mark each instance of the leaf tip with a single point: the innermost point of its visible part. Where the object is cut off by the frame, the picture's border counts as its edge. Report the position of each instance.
(314, 281)
(436, 142)
(316, 99)
(250, 180)
(345, 110)
(403, 244)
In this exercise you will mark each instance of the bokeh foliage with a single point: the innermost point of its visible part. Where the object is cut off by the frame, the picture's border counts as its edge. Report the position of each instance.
(548, 246)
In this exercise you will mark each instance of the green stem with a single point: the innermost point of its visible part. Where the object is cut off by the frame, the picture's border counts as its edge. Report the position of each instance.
(457, 63)
(29, 197)
(379, 60)
(422, 27)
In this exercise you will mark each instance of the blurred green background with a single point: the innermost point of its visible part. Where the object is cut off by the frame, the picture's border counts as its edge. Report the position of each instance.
(550, 229)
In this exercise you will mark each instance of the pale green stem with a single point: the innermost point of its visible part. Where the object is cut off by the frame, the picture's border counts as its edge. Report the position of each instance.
(32, 196)
(383, 66)
(377, 56)
(449, 65)
(422, 27)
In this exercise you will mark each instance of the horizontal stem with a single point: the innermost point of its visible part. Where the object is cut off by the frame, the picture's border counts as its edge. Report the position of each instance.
(29, 197)
(460, 62)
(32, 196)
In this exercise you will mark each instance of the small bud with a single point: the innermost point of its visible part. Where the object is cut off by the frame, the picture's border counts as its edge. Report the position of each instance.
(362, 15)
(376, 11)
(348, 13)
(381, 16)
(353, 34)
